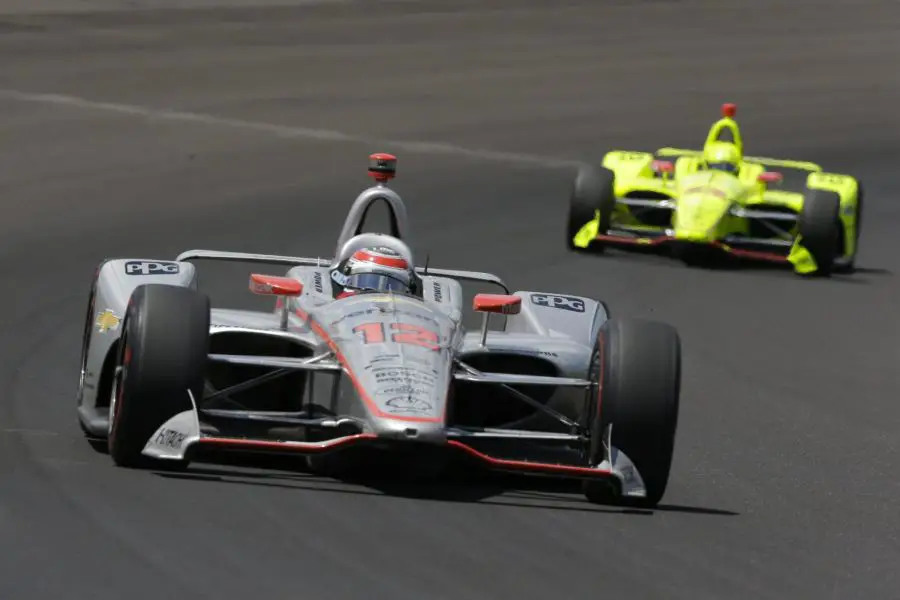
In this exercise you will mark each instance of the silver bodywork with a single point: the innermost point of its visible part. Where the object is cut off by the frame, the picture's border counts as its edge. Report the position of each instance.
(379, 368)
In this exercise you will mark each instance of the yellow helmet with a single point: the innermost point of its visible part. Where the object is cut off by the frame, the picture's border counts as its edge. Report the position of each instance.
(722, 156)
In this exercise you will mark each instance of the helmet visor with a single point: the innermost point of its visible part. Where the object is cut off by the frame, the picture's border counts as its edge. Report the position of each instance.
(723, 166)
(376, 281)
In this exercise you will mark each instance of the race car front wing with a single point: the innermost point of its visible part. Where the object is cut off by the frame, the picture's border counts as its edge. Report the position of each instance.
(179, 435)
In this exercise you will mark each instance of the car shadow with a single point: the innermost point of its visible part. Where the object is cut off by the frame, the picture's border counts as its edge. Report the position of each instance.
(469, 487)
(733, 264)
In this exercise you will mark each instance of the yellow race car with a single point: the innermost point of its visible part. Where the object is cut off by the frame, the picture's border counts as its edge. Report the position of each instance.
(718, 200)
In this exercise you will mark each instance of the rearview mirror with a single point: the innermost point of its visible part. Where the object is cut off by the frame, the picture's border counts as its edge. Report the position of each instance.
(497, 303)
(663, 166)
(271, 285)
(770, 177)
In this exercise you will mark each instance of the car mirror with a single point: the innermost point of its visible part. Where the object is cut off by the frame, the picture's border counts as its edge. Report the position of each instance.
(663, 166)
(497, 303)
(770, 177)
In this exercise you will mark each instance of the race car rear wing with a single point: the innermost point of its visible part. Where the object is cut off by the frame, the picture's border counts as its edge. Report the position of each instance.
(302, 261)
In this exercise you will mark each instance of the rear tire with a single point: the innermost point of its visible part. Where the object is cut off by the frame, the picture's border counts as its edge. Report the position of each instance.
(592, 190)
(163, 352)
(637, 367)
(821, 229)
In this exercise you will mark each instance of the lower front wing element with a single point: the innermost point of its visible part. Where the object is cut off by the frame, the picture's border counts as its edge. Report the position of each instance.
(181, 434)
(792, 252)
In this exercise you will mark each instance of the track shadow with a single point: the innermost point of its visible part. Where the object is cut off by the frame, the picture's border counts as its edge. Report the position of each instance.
(478, 487)
(733, 264)
(874, 271)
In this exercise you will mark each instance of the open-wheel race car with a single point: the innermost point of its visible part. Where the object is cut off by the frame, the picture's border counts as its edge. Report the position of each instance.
(366, 354)
(719, 202)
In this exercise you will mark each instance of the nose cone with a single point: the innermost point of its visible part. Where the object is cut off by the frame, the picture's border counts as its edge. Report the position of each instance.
(407, 394)
(703, 203)
(692, 236)
(698, 215)
(398, 351)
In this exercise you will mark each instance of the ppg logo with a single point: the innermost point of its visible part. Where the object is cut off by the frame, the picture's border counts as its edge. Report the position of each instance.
(144, 267)
(561, 302)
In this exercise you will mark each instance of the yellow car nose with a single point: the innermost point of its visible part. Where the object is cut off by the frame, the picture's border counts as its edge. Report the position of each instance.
(692, 236)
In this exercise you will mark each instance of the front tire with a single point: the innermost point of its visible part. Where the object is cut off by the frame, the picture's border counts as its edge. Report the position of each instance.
(593, 190)
(636, 365)
(162, 354)
(821, 229)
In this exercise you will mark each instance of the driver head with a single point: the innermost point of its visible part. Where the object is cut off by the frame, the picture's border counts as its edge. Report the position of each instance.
(379, 269)
(722, 156)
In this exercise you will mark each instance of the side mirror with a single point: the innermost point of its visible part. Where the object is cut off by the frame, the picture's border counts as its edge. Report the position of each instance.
(663, 166)
(497, 303)
(270, 285)
(501, 304)
(770, 177)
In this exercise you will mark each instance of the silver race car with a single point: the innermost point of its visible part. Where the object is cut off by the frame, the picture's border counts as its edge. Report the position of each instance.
(366, 354)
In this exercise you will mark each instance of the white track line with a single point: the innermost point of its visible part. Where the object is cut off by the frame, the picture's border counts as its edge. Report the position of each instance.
(284, 131)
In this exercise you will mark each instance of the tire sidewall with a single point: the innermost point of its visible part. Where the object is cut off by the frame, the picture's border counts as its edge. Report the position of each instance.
(592, 190)
(644, 425)
(151, 387)
(821, 229)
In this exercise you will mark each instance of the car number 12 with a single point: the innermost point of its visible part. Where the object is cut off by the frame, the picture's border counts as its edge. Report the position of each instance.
(403, 333)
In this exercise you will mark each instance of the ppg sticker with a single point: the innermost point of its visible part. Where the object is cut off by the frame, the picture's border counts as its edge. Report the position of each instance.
(146, 267)
(561, 302)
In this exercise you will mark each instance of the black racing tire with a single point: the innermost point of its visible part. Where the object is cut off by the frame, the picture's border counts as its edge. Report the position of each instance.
(820, 228)
(163, 352)
(636, 365)
(592, 190)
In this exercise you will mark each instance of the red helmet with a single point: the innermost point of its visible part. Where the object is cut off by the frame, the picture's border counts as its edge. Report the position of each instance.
(379, 269)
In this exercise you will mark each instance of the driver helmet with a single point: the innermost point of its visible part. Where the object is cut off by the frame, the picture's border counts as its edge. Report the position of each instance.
(722, 156)
(378, 268)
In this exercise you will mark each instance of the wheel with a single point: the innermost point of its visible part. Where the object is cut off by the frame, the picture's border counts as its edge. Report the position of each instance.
(162, 354)
(636, 365)
(592, 190)
(820, 228)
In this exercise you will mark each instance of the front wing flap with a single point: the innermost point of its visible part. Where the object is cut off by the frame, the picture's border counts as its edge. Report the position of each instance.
(173, 440)
(797, 255)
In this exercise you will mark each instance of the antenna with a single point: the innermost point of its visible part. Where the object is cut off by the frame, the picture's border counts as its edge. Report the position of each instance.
(425, 270)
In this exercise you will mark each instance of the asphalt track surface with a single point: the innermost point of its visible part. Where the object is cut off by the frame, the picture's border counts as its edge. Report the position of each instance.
(247, 126)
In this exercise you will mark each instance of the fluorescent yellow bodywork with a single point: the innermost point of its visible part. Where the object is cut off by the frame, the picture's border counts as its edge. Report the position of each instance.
(702, 198)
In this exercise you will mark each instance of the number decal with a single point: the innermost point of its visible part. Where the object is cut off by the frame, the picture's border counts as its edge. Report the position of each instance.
(404, 333)
(413, 334)
(832, 178)
(372, 333)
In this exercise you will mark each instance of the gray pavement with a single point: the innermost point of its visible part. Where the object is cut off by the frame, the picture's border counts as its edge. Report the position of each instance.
(148, 128)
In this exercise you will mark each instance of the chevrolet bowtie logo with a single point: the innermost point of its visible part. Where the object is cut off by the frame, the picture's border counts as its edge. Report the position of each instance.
(107, 321)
